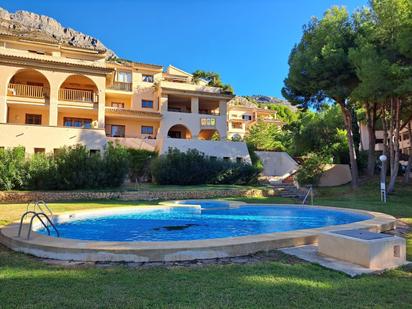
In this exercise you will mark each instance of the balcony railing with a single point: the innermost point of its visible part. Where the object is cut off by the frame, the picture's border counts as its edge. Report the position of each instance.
(28, 91)
(209, 112)
(121, 86)
(77, 95)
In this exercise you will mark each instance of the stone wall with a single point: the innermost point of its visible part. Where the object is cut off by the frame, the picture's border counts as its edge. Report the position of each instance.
(55, 196)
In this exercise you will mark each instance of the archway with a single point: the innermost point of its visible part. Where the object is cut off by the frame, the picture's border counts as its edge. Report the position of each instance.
(78, 88)
(209, 134)
(29, 83)
(179, 131)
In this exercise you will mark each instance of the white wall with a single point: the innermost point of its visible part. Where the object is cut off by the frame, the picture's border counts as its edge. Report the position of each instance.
(218, 149)
(277, 163)
(32, 136)
(335, 175)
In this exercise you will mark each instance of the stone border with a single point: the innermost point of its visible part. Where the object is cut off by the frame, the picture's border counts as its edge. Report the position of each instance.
(55, 196)
(101, 251)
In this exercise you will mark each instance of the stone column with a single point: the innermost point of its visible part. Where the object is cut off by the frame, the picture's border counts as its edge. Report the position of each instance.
(223, 116)
(53, 105)
(194, 105)
(101, 109)
(3, 103)
(223, 108)
(163, 103)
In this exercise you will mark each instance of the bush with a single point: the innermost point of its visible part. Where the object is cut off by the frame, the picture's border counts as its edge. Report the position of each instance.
(71, 168)
(41, 172)
(310, 171)
(12, 171)
(115, 165)
(179, 168)
(139, 164)
(193, 168)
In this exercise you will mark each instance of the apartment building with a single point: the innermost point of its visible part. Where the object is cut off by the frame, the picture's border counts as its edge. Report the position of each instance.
(53, 95)
(404, 139)
(242, 115)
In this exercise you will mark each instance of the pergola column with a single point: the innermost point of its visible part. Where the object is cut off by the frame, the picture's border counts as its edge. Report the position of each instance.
(194, 105)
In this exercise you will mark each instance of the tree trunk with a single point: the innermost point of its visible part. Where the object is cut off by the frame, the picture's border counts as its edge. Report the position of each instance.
(347, 117)
(371, 119)
(385, 140)
(409, 166)
(395, 142)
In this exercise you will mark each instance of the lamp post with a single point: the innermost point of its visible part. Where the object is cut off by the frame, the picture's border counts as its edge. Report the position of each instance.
(383, 159)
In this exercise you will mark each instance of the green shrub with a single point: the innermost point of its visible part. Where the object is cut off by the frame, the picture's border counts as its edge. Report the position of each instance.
(193, 168)
(12, 171)
(115, 165)
(139, 164)
(41, 172)
(179, 168)
(236, 173)
(310, 171)
(71, 168)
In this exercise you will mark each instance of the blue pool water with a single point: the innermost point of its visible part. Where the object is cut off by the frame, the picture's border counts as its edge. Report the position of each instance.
(213, 220)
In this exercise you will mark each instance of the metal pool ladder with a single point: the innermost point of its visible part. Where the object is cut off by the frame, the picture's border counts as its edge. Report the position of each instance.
(41, 215)
(309, 193)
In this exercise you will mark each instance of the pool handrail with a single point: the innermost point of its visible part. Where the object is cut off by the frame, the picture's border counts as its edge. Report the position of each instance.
(310, 192)
(37, 215)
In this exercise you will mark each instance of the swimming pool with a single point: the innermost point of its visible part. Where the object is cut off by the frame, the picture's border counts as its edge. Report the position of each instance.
(188, 230)
(198, 220)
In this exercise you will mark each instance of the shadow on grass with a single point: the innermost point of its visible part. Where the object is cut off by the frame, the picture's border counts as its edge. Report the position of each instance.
(270, 284)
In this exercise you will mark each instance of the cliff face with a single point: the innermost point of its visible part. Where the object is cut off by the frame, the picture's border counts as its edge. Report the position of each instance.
(34, 26)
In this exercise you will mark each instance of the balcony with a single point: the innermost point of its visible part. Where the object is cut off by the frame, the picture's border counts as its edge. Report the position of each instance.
(77, 95)
(121, 86)
(27, 91)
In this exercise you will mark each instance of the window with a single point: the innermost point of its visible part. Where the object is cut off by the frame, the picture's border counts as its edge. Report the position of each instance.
(239, 160)
(226, 159)
(93, 152)
(117, 104)
(147, 104)
(236, 125)
(148, 78)
(246, 117)
(77, 122)
(146, 130)
(39, 150)
(117, 130)
(124, 77)
(57, 151)
(213, 158)
(33, 119)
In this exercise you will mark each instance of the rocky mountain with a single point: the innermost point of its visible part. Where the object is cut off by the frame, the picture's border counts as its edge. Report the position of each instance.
(31, 25)
(271, 100)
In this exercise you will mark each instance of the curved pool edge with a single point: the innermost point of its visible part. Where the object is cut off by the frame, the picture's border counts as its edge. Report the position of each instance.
(167, 251)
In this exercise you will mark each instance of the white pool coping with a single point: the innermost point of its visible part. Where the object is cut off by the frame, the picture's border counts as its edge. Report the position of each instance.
(117, 251)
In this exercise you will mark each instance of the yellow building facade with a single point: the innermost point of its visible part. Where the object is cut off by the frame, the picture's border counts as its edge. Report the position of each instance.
(53, 95)
(242, 115)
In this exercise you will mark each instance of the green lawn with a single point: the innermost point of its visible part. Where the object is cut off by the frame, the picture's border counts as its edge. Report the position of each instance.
(25, 281)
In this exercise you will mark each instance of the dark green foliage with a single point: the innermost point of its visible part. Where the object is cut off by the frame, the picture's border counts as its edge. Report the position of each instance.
(12, 173)
(213, 80)
(139, 164)
(193, 168)
(42, 172)
(310, 170)
(320, 132)
(72, 168)
(266, 136)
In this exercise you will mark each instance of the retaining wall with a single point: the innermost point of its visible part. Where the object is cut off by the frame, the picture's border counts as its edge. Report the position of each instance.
(49, 196)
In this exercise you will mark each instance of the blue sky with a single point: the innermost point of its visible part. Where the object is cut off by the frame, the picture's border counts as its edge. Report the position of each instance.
(246, 41)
